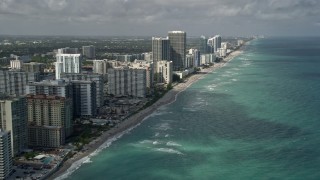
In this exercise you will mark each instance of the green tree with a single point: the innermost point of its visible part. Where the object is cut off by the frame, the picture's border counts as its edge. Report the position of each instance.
(175, 78)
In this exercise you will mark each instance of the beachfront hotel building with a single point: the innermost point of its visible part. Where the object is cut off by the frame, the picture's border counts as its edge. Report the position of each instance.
(217, 43)
(165, 71)
(203, 45)
(211, 45)
(189, 61)
(98, 79)
(148, 66)
(13, 118)
(49, 120)
(67, 63)
(160, 51)
(84, 98)
(196, 57)
(125, 81)
(208, 58)
(177, 49)
(14, 82)
(5, 154)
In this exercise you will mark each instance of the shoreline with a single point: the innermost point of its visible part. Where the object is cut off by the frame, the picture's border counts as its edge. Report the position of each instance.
(133, 121)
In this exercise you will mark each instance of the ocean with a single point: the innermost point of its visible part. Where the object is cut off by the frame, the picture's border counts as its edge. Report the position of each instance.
(257, 117)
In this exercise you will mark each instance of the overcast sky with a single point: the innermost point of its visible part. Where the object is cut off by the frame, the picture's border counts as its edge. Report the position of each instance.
(156, 17)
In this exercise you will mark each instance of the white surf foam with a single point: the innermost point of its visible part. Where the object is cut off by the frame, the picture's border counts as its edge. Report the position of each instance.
(190, 109)
(169, 150)
(182, 129)
(87, 159)
(146, 141)
(171, 143)
(156, 142)
(163, 126)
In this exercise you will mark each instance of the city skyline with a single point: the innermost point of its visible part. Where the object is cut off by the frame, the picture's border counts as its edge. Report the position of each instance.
(152, 18)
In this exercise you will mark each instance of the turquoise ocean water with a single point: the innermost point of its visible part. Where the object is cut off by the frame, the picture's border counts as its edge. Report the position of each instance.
(256, 118)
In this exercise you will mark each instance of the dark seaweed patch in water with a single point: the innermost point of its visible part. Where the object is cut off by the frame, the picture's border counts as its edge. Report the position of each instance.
(309, 75)
(231, 120)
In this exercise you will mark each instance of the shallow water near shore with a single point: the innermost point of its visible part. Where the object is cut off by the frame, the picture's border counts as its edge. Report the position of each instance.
(255, 118)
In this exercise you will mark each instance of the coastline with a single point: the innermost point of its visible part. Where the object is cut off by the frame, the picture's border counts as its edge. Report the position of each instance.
(116, 132)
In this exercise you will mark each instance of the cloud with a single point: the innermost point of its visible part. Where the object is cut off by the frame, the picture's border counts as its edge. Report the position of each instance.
(146, 10)
(152, 12)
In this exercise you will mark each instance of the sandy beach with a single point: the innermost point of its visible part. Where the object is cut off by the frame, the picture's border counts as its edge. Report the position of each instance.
(137, 118)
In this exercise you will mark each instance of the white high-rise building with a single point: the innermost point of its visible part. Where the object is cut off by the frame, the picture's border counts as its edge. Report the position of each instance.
(148, 66)
(196, 57)
(148, 57)
(222, 52)
(14, 82)
(208, 58)
(165, 71)
(60, 88)
(225, 45)
(5, 154)
(100, 66)
(16, 64)
(124, 81)
(67, 63)
(214, 43)
(210, 45)
(217, 42)
(189, 61)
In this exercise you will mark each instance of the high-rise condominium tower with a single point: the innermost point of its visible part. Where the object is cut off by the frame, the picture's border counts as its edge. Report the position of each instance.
(5, 154)
(67, 63)
(217, 42)
(89, 51)
(160, 50)
(203, 46)
(178, 48)
(13, 118)
(49, 120)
